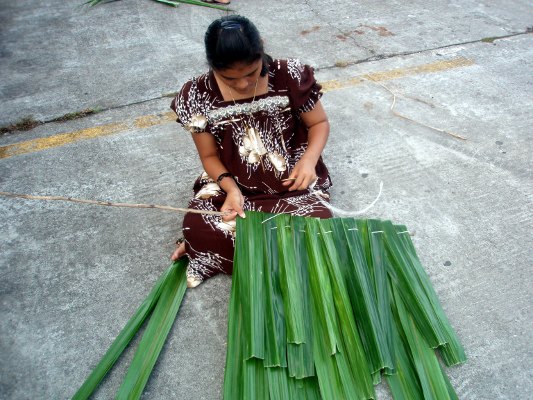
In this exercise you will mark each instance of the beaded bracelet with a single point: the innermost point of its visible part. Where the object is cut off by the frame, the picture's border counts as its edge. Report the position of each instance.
(222, 176)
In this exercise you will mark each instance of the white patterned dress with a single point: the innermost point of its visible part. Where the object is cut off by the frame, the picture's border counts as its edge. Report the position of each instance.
(259, 142)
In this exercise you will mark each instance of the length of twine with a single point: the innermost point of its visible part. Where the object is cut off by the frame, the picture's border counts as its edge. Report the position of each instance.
(455, 135)
(348, 213)
(110, 204)
(334, 209)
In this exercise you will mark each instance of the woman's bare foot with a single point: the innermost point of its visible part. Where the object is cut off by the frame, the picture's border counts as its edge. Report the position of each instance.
(179, 252)
(193, 282)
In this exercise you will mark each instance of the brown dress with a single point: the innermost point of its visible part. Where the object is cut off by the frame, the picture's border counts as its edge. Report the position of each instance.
(258, 158)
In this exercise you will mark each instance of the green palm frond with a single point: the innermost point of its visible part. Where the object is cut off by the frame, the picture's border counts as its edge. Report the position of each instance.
(155, 335)
(162, 302)
(173, 3)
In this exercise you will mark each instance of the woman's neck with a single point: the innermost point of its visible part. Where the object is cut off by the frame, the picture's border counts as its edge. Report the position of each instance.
(232, 95)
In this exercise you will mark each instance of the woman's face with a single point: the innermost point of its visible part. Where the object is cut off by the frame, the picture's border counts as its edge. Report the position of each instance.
(241, 77)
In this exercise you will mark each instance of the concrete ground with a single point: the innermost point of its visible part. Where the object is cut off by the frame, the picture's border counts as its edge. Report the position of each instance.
(72, 274)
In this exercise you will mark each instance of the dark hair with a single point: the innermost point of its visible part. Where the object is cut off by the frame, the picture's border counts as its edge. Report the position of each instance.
(233, 39)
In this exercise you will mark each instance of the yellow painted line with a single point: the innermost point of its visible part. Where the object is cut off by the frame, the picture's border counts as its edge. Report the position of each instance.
(34, 145)
(147, 121)
(397, 73)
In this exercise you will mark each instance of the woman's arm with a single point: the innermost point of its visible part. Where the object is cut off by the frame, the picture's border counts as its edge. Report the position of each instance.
(207, 150)
(317, 124)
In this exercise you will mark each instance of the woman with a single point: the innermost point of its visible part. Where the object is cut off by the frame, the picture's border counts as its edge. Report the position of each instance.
(259, 129)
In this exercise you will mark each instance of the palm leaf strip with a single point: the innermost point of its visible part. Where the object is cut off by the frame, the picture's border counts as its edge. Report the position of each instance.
(377, 242)
(277, 350)
(233, 377)
(251, 290)
(291, 282)
(404, 384)
(155, 335)
(300, 356)
(425, 361)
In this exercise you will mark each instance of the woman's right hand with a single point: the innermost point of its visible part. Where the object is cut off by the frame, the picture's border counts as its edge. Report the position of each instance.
(233, 205)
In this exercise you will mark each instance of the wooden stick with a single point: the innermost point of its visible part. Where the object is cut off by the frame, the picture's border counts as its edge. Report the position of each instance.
(110, 204)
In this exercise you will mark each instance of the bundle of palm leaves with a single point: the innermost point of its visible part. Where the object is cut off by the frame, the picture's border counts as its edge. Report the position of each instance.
(322, 309)
(319, 309)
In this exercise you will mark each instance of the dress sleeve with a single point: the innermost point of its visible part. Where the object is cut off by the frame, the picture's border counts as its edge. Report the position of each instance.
(191, 107)
(303, 87)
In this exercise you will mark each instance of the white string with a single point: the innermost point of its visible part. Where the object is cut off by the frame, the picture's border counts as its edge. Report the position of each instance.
(345, 213)
(334, 209)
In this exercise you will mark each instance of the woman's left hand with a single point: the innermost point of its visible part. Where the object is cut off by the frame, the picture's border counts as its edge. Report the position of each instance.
(302, 176)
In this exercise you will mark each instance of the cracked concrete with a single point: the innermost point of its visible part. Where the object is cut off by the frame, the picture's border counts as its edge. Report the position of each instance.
(72, 275)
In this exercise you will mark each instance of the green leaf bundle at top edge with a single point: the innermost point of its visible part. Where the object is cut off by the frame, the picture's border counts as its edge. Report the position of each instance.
(172, 3)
